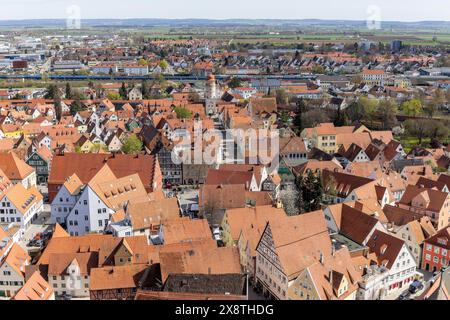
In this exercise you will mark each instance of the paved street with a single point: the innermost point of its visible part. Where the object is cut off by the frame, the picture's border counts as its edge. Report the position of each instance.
(427, 276)
(187, 198)
(38, 226)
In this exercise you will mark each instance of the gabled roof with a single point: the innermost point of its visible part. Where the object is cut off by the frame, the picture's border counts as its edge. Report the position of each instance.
(299, 241)
(355, 224)
(251, 217)
(343, 183)
(104, 245)
(218, 177)
(399, 216)
(22, 198)
(151, 213)
(59, 232)
(199, 259)
(441, 238)
(59, 262)
(86, 166)
(185, 229)
(437, 198)
(73, 184)
(339, 266)
(116, 277)
(13, 167)
(352, 152)
(36, 288)
(386, 247)
(17, 259)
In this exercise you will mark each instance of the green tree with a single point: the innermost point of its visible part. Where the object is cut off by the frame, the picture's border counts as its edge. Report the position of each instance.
(310, 192)
(123, 91)
(430, 108)
(370, 107)
(68, 91)
(387, 110)
(58, 105)
(412, 107)
(318, 69)
(301, 108)
(234, 83)
(144, 89)
(51, 92)
(132, 145)
(142, 62)
(183, 113)
(97, 147)
(355, 112)
(113, 96)
(420, 128)
(313, 117)
(163, 65)
(282, 97)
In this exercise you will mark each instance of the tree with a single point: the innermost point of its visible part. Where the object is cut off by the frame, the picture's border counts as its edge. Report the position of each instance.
(284, 117)
(51, 92)
(144, 89)
(183, 113)
(420, 128)
(318, 69)
(132, 145)
(123, 91)
(430, 108)
(313, 117)
(142, 62)
(58, 105)
(75, 106)
(159, 78)
(113, 96)
(97, 147)
(387, 110)
(370, 107)
(163, 65)
(68, 91)
(412, 107)
(355, 112)
(282, 97)
(310, 192)
(301, 108)
(234, 83)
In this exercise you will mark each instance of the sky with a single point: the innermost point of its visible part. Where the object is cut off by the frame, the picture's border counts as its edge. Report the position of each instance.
(387, 10)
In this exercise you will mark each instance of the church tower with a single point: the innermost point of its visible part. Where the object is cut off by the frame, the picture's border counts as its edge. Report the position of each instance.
(210, 95)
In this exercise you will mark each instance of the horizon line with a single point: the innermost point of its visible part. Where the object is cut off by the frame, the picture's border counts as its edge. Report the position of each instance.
(225, 19)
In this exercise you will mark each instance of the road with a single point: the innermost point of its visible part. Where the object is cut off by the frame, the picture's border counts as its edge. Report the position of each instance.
(427, 276)
(38, 226)
(187, 198)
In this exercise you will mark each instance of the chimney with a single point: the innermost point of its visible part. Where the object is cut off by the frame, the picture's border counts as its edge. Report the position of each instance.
(358, 206)
(321, 257)
(330, 277)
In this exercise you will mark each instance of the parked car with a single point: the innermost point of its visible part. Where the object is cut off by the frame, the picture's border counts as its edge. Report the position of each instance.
(31, 243)
(217, 236)
(415, 286)
(405, 296)
(39, 243)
